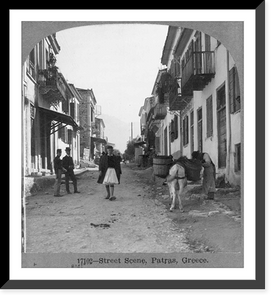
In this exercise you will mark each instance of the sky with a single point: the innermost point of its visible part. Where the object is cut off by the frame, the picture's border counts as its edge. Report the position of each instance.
(120, 63)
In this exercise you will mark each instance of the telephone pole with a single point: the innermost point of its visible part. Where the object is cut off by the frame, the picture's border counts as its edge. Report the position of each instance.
(131, 129)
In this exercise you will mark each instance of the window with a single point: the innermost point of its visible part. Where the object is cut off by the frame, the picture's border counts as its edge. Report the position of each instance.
(173, 127)
(185, 130)
(72, 110)
(237, 157)
(221, 97)
(65, 106)
(32, 63)
(209, 116)
(234, 91)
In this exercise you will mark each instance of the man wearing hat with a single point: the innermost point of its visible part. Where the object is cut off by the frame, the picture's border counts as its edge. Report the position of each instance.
(58, 170)
(67, 163)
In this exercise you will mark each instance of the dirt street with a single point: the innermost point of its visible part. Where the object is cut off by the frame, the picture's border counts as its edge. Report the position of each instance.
(137, 221)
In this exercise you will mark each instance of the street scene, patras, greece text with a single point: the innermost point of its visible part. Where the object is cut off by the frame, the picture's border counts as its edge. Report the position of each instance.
(132, 148)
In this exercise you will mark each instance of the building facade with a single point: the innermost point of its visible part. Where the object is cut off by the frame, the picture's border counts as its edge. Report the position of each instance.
(87, 122)
(48, 120)
(199, 87)
(99, 139)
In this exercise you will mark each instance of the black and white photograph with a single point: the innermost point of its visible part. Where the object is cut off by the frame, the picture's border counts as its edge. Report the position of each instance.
(133, 138)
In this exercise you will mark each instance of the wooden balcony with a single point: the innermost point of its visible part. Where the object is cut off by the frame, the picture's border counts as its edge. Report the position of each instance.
(52, 89)
(160, 111)
(177, 102)
(197, 72)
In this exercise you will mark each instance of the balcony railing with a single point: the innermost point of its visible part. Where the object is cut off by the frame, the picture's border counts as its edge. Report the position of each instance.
(177, 102)
(160, 111)
(198, 71)
(51, 87)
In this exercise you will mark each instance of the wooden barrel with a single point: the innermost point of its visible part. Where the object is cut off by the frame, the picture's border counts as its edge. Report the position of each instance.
(161, 165)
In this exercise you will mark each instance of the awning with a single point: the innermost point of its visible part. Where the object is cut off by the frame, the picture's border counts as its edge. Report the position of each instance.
(98, 140)
(139, 144)
(59, 118)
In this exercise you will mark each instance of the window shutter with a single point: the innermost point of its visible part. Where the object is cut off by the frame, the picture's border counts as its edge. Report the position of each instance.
(185, 130)
(209, 117)
(65, 106)
(78, 113)
(72, 110)
(237, 92)
(172, 133)
(175, 126)
(231, 90)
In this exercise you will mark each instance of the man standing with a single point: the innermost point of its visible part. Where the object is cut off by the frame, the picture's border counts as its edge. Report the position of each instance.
(58, 170)
(67, 163)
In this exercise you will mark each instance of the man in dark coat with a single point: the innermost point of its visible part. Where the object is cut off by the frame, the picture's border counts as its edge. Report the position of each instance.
(67, 163)
(109, 172)
(58, 171)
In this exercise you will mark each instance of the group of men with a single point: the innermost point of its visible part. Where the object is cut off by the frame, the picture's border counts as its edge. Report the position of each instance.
(66, 166)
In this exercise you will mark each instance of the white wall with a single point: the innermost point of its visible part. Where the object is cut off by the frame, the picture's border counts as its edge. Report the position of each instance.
(233, 121)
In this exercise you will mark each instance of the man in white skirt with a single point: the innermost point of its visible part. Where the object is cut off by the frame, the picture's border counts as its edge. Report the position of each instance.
(109, 172)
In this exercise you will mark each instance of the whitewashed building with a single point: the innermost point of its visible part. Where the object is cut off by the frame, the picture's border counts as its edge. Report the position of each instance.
(50, 110)
(200, 90)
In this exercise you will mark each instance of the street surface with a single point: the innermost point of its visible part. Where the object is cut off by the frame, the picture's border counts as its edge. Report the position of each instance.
(137, 221)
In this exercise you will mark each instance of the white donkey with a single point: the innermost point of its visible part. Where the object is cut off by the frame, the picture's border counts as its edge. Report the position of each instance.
(177, 183)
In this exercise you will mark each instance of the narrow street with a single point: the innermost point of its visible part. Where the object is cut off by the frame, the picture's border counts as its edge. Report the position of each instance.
(137, 221)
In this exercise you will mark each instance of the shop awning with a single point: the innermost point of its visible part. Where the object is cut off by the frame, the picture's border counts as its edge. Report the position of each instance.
(98, 140)
(59, 118)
